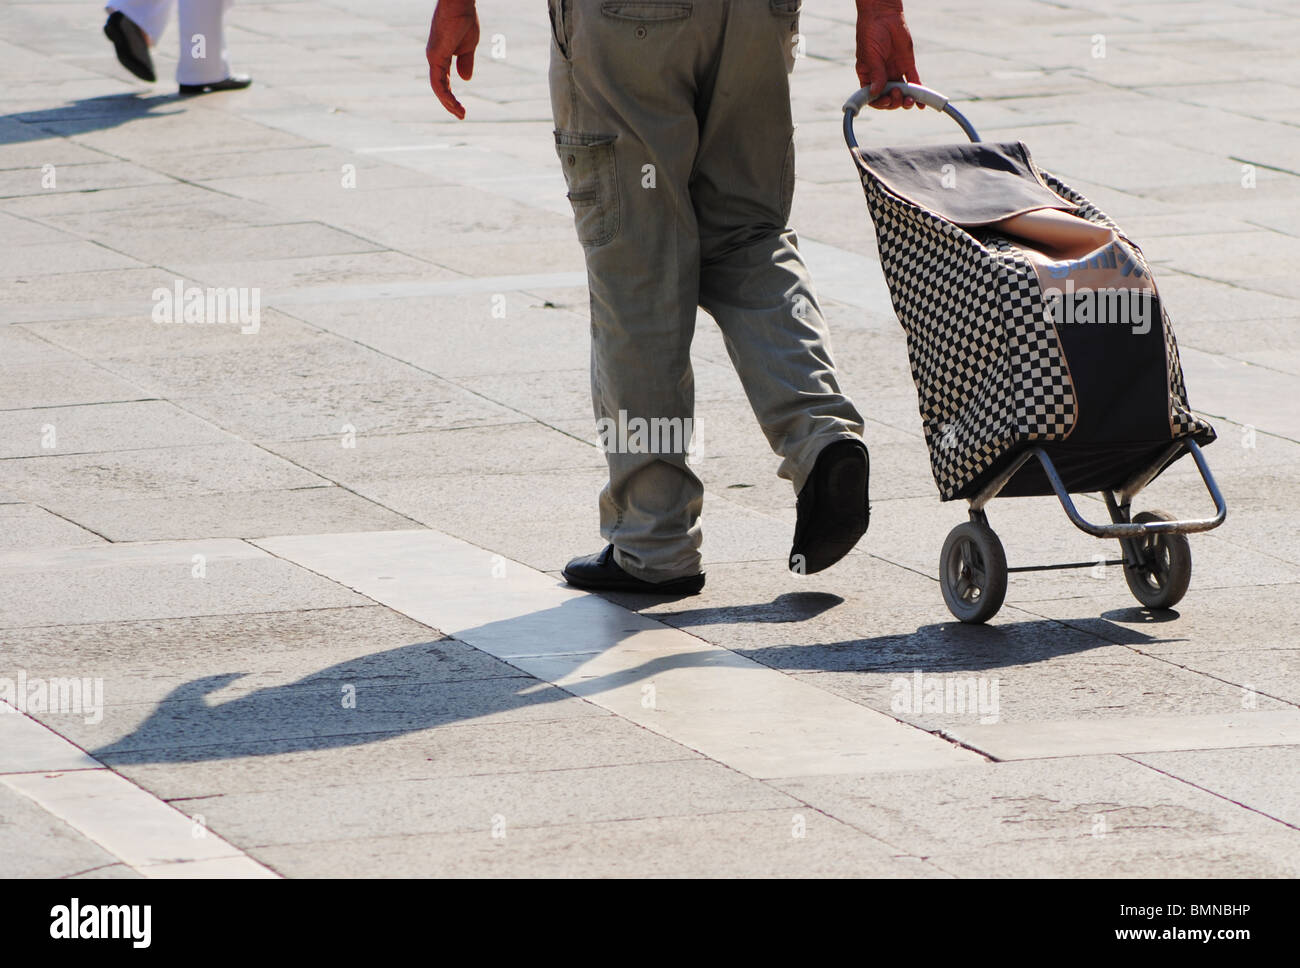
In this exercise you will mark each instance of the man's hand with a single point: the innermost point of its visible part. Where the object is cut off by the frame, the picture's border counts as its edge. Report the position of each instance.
(453, 33)
(885, 51)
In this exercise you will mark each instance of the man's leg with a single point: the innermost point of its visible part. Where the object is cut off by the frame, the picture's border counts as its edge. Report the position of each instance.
(753, 281)
(204, 59)
(149, 15)
(623, 90)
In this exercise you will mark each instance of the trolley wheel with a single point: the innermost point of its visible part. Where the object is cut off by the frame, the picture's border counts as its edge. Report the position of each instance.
(1159, 579)
(973, 572)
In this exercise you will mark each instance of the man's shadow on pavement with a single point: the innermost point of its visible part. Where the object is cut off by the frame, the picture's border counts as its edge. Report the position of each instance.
(84, 115)
(409, 688)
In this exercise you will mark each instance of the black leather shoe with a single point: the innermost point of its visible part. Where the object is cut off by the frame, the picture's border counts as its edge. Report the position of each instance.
(833, 507)
(600, 572)
(235, 82)
(130, 44)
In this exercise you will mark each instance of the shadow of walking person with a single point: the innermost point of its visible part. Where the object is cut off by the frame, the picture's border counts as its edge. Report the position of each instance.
(83, 116)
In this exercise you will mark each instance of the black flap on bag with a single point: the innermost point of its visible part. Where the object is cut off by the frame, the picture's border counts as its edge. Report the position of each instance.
(970, 184)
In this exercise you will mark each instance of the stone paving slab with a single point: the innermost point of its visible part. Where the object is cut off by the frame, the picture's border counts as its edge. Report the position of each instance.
(151, 581)
(20, 346)
(1031, 818)
(467, 340)
(28, 526)
(190, 471)
(146, 342)
(102, 428)
(148, 835)
(61, 384)
(35, 844)
(528, 448)
(344, 811)
(1224, 620)
(187, 717)
(424, 403)
(790, 842)
(1109, 684)
(250, 514)
(1191, 858)
(299, 655)
(283, 640)
(1137, 734)
(319, 362)
(453, 750)
(1262, 786)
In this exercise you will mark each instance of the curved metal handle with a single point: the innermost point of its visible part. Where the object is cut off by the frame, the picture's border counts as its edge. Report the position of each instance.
(931, 99)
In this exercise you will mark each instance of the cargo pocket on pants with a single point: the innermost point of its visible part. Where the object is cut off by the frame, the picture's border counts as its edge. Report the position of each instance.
(589, 171)
(787, 184)
(790, 9)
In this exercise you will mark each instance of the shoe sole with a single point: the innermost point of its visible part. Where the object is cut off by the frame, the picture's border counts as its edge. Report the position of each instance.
(122, 47)
(192, 90)
(690, 585)
(843, 515)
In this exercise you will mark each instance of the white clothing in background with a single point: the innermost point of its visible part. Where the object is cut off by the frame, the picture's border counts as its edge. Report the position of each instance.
(203, 39)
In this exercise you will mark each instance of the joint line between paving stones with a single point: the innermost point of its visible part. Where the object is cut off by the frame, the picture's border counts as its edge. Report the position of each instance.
(258, 446)
(102, 766)
(1197, 786)
(75, 524)
(528, 417)
(1261, 164)
(439, 777)
(900, 852)
(852, 825)
(98, 867)
(376, 736)
(376, 246)
(1210, 675)
(136, 621)
(1068, 623)
(205, 420)
(68, 406)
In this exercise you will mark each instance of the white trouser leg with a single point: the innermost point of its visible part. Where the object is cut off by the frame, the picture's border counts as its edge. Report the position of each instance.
(203, 42)
(149, 15)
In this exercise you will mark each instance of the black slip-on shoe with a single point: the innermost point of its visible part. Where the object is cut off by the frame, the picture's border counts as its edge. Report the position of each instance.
(834, 508)
(131, 47)
(235, 82)
(600, 572)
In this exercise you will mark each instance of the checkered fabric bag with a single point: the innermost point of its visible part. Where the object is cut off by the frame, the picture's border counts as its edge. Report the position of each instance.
(987, 357)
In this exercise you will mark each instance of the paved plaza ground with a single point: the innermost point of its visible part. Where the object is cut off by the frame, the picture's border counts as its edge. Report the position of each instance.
(315, 568)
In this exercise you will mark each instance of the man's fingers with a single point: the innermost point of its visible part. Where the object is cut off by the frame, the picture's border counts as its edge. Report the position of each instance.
(440, 81)
(891, 100)
(875, 82)
(451, 104)
(455, 107)
(465, 64)
(904, 101)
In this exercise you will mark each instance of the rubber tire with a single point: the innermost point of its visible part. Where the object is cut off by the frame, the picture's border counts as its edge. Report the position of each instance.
(1166, 589)
(990, 577)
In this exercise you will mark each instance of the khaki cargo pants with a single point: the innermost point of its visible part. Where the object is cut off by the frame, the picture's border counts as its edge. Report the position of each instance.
(674, 132)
